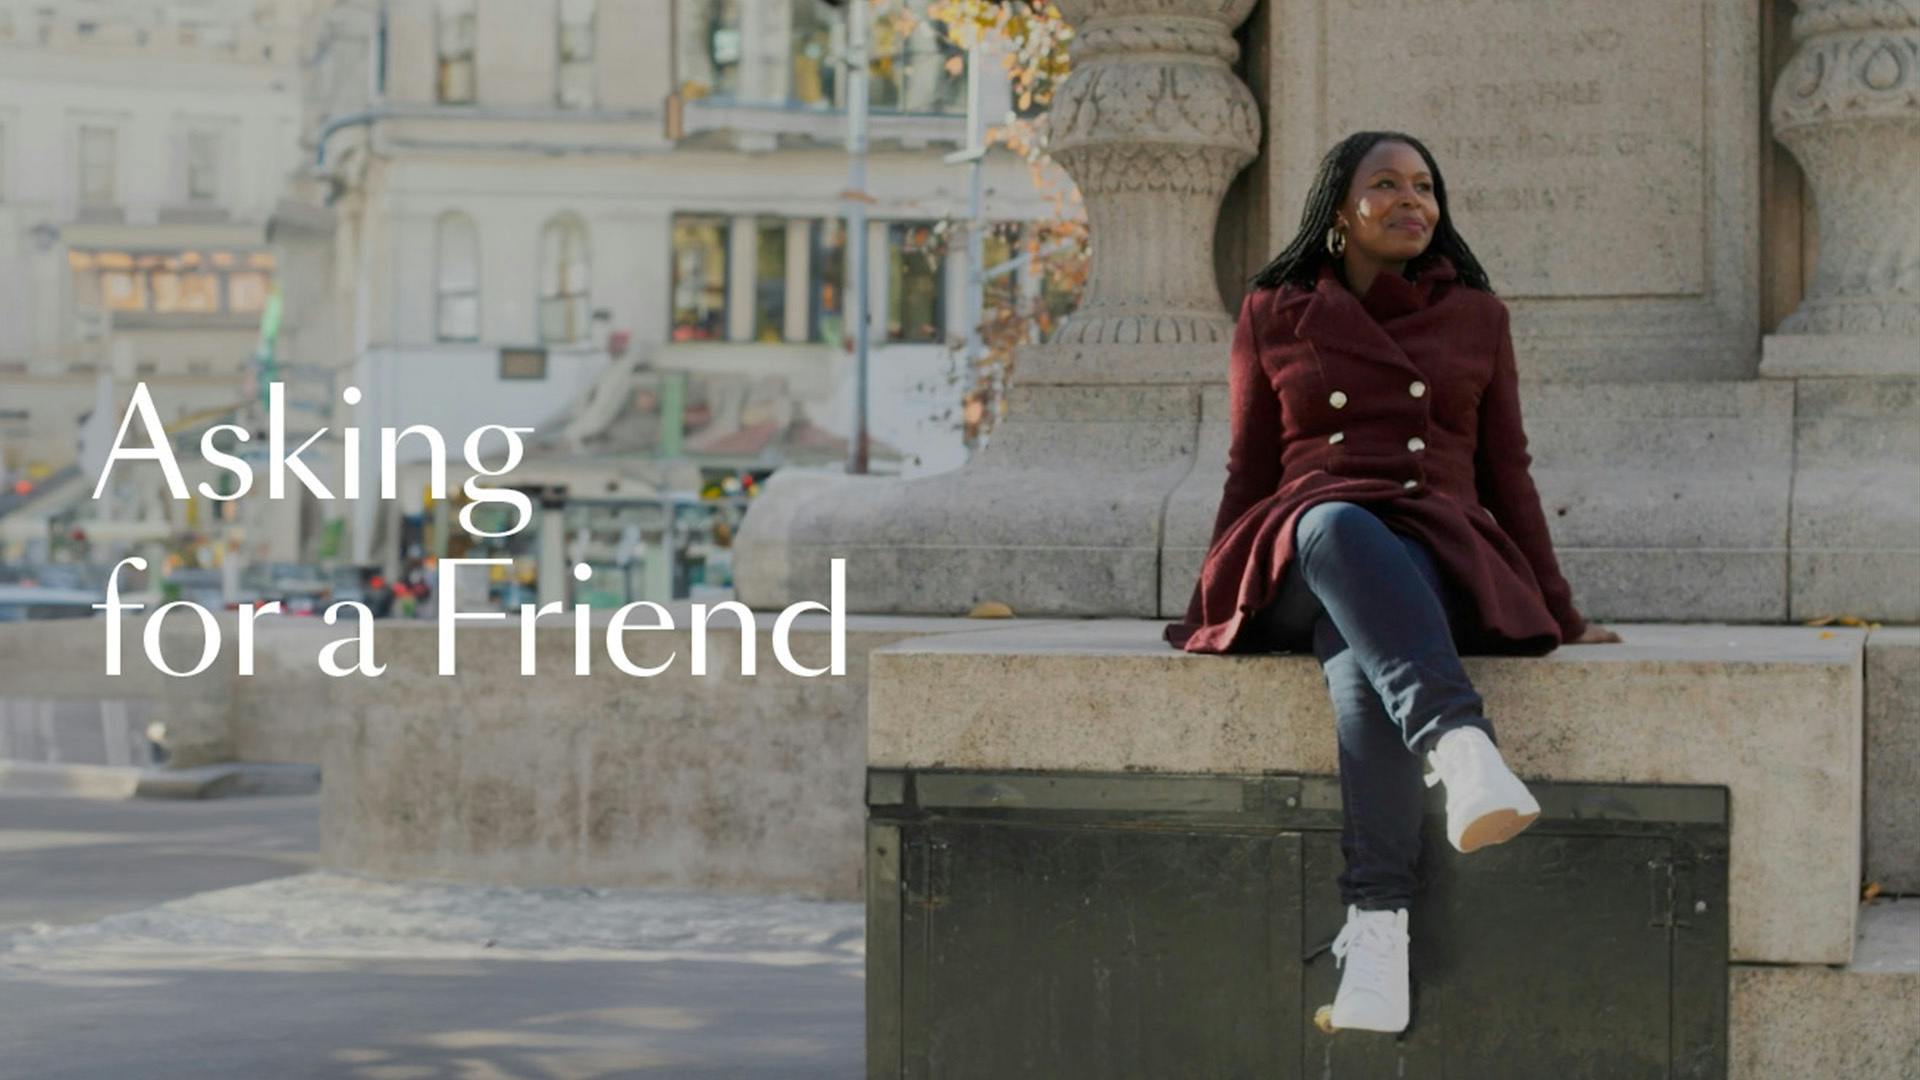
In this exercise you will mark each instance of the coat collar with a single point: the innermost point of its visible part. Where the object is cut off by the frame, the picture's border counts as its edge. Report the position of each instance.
(1335, 318)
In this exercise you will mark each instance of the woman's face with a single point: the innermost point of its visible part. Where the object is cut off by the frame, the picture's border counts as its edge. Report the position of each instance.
(1390, 210)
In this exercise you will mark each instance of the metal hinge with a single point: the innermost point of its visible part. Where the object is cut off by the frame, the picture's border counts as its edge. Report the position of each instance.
(1660, 881)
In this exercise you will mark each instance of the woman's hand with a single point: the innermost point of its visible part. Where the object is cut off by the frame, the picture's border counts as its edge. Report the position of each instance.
(1594, 634)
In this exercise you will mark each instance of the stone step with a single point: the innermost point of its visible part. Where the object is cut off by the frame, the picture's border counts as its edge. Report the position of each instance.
(1773, 713)
(1862, 1019)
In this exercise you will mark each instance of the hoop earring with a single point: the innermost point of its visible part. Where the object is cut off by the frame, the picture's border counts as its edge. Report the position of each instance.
(1336, 241)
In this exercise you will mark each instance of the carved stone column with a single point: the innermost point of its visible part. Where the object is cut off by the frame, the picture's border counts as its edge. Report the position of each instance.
(1848, 107)
(1066, 512)
(1152, 124)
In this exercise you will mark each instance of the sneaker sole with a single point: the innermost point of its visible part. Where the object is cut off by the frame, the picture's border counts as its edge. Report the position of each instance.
(1496, 827)
(1323, 1019)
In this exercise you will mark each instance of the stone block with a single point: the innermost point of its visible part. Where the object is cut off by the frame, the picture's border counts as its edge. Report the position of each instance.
(1599, 158)
(1773, 713)
(1856, 499)
(1860, 1020)
(1893, 758)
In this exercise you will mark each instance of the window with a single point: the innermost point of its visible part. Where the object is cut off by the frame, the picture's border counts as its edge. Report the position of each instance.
(203, 165)
(770, 280)
(699, 278)
(186, 282)
(574, 85)
(916, 296)
(563, 280)
(819, 36)
(456, 278)
(910, 70)
(455, 27)
(523, 363)
(826, 277)
(710, 55)
(182, 290)
(99, 165)
(247, 291)
(1002, 242)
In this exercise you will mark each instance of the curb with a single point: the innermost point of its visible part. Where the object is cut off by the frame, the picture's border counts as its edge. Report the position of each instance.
(128, 781)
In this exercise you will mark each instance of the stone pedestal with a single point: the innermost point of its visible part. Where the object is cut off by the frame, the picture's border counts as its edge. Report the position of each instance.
(1064, 512)
(1848, 107)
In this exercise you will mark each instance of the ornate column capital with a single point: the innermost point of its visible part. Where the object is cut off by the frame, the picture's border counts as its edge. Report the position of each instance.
(1847, 106)
(1152, 124)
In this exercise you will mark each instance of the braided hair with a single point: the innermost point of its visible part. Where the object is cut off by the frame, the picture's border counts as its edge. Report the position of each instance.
(1301, 261)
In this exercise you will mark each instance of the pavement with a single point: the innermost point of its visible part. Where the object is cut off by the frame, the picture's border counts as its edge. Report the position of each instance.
(170, 940)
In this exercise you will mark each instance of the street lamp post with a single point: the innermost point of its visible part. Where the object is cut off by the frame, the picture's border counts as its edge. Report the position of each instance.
(857, 198)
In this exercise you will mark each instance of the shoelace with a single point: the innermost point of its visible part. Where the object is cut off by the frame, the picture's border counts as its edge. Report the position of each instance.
(1435, 776)
(1371, 939)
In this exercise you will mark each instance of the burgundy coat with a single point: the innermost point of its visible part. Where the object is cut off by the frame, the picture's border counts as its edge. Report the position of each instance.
(1407, 400)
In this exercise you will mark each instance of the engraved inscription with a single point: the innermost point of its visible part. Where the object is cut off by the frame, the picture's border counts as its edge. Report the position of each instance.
(1572, 134)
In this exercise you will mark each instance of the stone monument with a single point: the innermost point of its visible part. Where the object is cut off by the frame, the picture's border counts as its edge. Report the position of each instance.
(1604, 160)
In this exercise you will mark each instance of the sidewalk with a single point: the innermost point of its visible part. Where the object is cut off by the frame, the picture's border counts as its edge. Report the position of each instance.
(322, 975)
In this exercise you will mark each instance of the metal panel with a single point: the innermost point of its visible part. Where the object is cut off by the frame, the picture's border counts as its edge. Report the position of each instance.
(1126, 952)
(884, 897)
(1159, 925)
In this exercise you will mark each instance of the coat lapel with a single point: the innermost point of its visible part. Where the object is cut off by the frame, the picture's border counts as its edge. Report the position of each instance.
(1335, 321)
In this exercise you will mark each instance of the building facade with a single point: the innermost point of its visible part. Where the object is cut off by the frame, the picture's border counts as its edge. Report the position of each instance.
(142, 147)
(560, 213)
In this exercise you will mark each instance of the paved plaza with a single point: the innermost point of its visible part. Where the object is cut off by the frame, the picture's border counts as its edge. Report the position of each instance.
(162, 940)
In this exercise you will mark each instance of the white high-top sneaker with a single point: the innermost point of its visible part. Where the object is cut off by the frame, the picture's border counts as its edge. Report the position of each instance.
(1372, 948)
(1486, 803)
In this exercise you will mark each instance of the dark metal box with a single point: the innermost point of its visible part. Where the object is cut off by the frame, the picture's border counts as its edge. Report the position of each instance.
(1060, 926)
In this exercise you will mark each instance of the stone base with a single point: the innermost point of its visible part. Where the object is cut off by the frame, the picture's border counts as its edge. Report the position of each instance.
(1062, 515)
(1796, 355)
(1861, 1020)
(715, 781)
(1738, 501)
(1856, 499)
(1772, 713)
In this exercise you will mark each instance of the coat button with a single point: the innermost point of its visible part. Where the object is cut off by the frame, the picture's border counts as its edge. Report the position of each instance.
(1411, 483)
(1416, 443)
(1417, 389)
(1336, 436)
(1338, 399)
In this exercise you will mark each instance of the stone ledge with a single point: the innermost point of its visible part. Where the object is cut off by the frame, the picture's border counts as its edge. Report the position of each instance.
(1773, 713)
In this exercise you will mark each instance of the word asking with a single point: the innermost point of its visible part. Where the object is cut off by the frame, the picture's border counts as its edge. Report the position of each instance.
(281, 462)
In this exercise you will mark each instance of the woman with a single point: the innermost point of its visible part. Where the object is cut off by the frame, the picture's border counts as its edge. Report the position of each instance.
(1379, 511)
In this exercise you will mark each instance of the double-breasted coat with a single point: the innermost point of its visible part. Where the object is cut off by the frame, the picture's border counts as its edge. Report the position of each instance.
(1407, 400)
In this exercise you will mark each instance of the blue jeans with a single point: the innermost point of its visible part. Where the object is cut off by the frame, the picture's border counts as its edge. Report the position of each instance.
(1381, 618)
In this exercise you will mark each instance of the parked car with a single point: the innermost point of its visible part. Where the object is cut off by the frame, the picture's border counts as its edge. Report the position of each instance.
(21, 603)
(301, 589)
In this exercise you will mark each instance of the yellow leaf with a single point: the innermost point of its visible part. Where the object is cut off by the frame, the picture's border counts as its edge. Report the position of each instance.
(990, 609)
(1872, 890)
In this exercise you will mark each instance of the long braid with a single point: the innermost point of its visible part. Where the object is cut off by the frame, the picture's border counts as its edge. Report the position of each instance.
(1300, 262)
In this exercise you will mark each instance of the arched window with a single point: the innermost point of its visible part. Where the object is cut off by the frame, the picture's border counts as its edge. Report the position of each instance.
(456, 278)
(564, 280)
